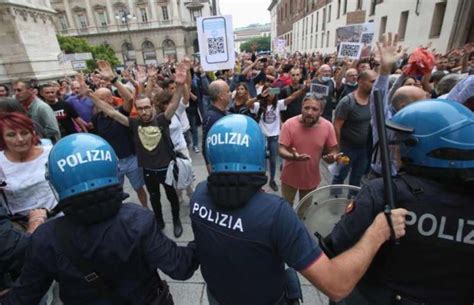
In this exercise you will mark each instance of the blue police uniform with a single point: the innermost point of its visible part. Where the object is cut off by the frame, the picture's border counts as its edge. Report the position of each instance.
(243, 251)
(13, 245)
(129, 246)
(433, 263)
(213, 114)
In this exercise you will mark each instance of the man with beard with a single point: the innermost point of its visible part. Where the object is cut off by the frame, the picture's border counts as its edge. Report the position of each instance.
(303, 140)
(352, 125)
(151, 136)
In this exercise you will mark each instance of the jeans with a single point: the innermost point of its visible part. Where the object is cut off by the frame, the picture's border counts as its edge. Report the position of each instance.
(357, 166)
(193, 122)
(153, 179)
(272, 146)
(206, 100)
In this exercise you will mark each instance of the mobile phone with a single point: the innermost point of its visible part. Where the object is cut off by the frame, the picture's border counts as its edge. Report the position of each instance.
(274, 91)
(215, 33)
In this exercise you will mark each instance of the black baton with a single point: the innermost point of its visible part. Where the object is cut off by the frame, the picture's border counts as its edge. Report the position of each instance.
(389, 197)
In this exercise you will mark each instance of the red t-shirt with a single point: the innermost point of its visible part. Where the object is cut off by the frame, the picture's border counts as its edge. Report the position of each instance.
(312, 141)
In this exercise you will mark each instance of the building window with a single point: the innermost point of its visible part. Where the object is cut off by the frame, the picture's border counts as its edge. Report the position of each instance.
(322, 40)
(372, 7)
(327, 40)
(311, 41)
(169, 49)
(359, 5)
(383, 27)
(329, 14)
(143, 14)
(344, 11)
(102, 19)
(338, 9)
(164, 10)
(149, 53)
(82, 20)
(317, 21)
(312, 23)
(63, 22)
(316, 41)
(402, 27)
(323, 27)
(286, 10)
(438, 18)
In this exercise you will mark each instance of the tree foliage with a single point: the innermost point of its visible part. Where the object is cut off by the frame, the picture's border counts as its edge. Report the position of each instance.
(262, 44)
(78, 45)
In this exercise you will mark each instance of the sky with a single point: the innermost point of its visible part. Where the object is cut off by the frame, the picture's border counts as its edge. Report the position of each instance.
(246, 12)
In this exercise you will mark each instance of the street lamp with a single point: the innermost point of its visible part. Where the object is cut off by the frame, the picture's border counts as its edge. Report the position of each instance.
(125, 17)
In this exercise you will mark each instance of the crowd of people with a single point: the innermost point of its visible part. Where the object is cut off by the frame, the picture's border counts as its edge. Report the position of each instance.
(67, 145)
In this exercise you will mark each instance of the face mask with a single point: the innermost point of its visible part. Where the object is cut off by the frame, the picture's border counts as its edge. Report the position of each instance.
(352, 84)
(326, 78)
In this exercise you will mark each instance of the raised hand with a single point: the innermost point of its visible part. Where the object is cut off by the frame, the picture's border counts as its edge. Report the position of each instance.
(152, 71)
(105, 70)
(181, 73)
(389, 52)
(141, 74)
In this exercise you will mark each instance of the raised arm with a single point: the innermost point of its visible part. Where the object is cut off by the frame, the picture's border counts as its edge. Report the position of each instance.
(337, 277)
(109, 110)
(106, 72)
(180, 80)
(299, 92)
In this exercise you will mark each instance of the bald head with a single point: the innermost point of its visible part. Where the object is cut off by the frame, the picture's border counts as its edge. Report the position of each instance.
(324, 71)
(407, 95)
(351, 72)
(105, 94)
(216, 90)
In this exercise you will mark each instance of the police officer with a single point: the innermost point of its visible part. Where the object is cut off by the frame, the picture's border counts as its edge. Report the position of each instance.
(102, 251)
(244, 236)
(13, 244)
(433, 264)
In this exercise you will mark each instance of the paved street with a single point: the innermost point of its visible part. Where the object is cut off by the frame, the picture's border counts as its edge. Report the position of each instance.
(193, 291)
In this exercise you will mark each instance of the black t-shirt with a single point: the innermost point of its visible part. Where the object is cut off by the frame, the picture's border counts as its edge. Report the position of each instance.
(118, 135)
(355, 131)
(152, 141)
(345, 90)
(64, 113)
(294, 108)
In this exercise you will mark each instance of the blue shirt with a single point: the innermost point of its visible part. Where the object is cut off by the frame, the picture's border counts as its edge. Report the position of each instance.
(243, 251)
(83, 106)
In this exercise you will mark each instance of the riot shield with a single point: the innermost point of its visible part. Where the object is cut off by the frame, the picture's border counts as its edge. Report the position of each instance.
(321, 209)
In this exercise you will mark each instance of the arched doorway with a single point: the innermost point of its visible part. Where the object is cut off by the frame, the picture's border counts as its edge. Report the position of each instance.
(169, 49)
(149, 53)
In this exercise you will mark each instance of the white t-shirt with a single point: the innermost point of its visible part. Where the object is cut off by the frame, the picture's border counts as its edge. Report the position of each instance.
(27, 187)
(176, 128)
(270, 122)
(183, 116)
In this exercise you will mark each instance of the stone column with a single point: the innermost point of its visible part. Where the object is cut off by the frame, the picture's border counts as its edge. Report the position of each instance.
(152, 5)
(90, 15)
(174, 11)
(111, 13)
(70, 17)
(25, 54)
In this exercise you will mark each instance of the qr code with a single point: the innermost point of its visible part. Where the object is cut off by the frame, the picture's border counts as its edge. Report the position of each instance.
(215, 45)
(349, 50)
(366, 38)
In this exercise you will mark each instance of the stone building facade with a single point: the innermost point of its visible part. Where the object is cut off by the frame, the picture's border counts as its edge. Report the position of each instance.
(310, 25)
(139, 31)
(29, 48)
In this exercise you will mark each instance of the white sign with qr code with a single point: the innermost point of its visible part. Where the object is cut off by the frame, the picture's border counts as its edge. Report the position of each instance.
(216, 42)
(319, 89)
(351, 50)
